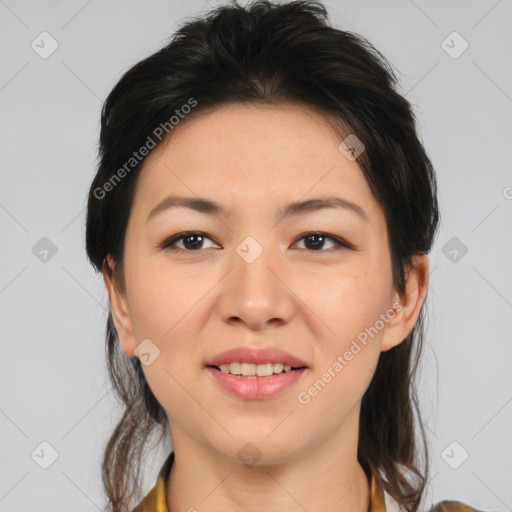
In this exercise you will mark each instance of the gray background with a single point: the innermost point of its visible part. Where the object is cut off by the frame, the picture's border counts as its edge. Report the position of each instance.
(53, 381)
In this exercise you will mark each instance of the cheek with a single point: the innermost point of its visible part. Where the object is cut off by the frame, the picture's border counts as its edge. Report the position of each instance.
(349, 304)
(345, 364)
(163, 312)
(161, 302)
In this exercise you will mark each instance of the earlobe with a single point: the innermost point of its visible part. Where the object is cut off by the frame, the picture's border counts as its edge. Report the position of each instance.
(120, 311)
(409, 303)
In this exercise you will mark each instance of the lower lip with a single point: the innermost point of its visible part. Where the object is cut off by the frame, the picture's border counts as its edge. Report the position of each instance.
(254, 388)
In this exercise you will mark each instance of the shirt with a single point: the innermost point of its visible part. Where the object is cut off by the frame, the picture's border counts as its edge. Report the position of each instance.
(380, 501)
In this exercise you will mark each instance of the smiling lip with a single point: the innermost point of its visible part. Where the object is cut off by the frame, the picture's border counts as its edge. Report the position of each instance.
(256, 388)
(256, 356)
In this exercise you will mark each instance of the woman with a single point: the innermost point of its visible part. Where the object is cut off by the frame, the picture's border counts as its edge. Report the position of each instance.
(261, 215)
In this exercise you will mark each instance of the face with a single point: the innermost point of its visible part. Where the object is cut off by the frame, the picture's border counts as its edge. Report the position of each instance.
(253, 277)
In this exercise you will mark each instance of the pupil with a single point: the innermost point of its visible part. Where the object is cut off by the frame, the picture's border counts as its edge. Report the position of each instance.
(319, 238)
(187, 238)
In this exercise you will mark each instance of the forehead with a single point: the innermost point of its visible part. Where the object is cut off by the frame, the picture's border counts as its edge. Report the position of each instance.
(247, 154)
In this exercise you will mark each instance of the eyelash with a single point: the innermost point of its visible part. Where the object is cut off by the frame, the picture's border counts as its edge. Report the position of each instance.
(169, 242)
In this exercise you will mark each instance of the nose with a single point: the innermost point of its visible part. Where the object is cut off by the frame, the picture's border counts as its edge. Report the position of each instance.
(256, 293)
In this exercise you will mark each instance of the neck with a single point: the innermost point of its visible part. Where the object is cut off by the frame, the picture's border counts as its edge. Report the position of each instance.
(326, 476)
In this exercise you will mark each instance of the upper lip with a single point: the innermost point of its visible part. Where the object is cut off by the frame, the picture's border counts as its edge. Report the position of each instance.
(256, 356)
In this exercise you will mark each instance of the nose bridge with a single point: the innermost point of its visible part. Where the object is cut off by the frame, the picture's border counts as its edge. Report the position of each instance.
(253, 292)
(252, 274)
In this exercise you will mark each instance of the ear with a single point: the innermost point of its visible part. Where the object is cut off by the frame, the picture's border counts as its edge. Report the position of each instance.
(407, 306)
(119, 307)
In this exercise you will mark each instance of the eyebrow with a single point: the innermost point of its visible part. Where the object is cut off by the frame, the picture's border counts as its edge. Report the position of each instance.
(210, 207)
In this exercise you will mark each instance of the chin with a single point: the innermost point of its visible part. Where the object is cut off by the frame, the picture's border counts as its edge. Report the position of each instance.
(260, 449)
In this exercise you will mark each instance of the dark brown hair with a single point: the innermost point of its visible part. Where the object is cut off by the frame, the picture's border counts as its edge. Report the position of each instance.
(276, 54)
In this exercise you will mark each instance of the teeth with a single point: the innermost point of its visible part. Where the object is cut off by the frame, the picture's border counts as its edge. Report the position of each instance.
(278, 368)
(251, 369)
(234, 368)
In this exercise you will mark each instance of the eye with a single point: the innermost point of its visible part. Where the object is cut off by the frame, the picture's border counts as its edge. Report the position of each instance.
(315, 240)
(192, 241)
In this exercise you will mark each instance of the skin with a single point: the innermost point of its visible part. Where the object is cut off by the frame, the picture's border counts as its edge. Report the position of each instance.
(311, 302)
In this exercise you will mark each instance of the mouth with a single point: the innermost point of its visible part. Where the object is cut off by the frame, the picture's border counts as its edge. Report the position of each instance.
(255, 373)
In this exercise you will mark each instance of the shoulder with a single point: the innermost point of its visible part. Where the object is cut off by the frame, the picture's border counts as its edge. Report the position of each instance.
(443, 506)
(391, 505)
(453, 506)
